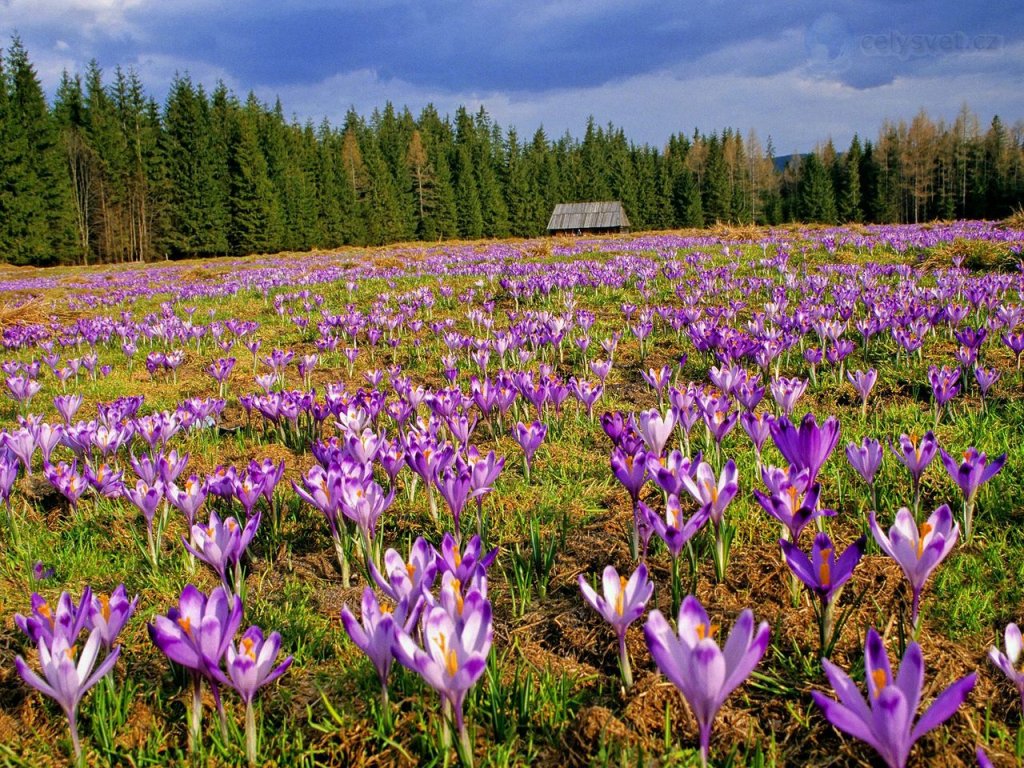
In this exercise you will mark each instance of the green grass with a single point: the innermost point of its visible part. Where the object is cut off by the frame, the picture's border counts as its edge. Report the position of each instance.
(550, 667)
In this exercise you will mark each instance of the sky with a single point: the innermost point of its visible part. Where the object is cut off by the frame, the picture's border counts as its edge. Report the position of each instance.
(797, 71)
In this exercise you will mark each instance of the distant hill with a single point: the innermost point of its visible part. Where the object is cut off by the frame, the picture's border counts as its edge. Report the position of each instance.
(783, 160)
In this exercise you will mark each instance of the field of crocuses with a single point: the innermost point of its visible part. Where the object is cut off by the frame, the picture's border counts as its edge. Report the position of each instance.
(744, 499)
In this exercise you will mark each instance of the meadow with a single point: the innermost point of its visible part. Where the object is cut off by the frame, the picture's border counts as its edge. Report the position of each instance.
(359, 507)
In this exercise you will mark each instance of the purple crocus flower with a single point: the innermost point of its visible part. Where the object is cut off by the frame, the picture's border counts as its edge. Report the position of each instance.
(170, 466)
(713, 492)
(323, 492)
(250, 667)
(105, 481)
(410, 580)
(484, 471)
(917, 550)
(529, 439)
(22, 389)
(944, 385)
(466, 564)
(865, 458)
(757, 427)
(454, 484)
(973, 472)
(67, 406)
(673, 528)
(1009, 662)
(48, 437)
(807, 446)
(886, 720)
(188, 499)
(656, 430)
(374, 635)
(787, 391)
(147, 469)
(824, 574)
(863, 382)
(720, 423)
(916, 455)
(45, 622)
(622, 602)
(221, 545)
(22, 443)
(668, 471)
(146, 497)
(614, 425)
(40, 572)
(792, 507)
(66, 480)
(692, 661)
(630, 469)
(453, 656)
(986, 378)
(107, 614)
(196, 635)
(8, 474)
(66, 680)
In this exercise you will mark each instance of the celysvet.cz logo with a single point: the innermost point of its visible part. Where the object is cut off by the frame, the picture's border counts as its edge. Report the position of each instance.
(911, 45)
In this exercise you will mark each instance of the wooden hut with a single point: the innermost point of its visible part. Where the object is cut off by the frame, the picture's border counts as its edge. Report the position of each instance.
(577, 218)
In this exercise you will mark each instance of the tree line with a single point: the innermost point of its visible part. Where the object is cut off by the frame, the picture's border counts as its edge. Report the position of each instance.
(106, 174)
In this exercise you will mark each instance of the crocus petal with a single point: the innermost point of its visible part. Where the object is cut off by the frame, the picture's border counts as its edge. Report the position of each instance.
(799, 563)
(992, 469)
(610, 584)
(691, 616)
(846, 721)
(910, 678)
(1014, 642)
(876, 659)
(944, 706)
(890, 721)
(751, 657)
(849, 695)
(33, 679)
(705, 672)
(102, 670)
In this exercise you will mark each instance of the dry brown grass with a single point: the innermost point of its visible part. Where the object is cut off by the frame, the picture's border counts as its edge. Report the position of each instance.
(18, 313)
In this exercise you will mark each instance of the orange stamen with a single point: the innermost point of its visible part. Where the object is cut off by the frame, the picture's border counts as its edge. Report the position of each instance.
(825, 570)
(926, 528)
(620, 600)
(247, 648)
(706, 631)
(459, 600)
(105, 607)
(879, 678)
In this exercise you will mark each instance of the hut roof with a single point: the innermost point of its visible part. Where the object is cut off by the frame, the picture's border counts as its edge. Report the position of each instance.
(607, 215)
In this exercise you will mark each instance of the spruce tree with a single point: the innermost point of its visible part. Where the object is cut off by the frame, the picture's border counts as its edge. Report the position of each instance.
(35, 222)
(817, 195)
(197, 210)
(79, 158)
(848, 189)
(251, 199)
(467, 197)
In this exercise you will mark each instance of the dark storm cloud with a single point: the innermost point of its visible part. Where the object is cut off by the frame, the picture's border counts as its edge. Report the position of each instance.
(549, 60)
